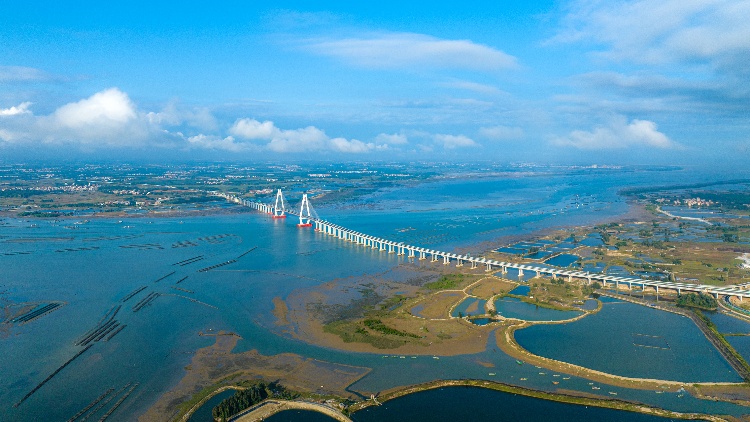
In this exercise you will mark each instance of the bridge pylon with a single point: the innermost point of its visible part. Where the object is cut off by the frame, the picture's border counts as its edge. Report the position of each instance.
(306, 213)
(279, 206)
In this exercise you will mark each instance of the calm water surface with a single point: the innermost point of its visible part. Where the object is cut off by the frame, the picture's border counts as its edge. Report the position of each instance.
(93, 265)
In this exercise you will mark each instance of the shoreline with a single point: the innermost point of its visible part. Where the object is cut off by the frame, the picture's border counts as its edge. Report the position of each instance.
(581, 400)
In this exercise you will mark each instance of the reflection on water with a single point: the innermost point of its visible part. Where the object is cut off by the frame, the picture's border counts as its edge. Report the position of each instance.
(160, 338)
(683, 353)
(454, 403)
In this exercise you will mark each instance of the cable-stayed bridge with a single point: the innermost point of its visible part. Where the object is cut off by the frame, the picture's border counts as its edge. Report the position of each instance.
(308, 218)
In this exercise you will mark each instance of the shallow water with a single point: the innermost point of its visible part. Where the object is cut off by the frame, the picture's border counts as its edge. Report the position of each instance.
(511, 307)
(453, 403)
(683, 353)
(161, 338)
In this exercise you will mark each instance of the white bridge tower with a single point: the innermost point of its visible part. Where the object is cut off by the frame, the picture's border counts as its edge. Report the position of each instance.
(279, 206)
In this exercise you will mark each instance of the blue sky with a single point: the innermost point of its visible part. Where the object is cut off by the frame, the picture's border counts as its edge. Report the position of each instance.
(572, 81)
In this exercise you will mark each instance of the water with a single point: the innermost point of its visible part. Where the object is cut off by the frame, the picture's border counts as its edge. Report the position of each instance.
(470, 306)
(160, 339)
(298, 416)
(511, 307)
(204, 413)
(520, 290)
(682, 352)
(563, 260)
(479, 405)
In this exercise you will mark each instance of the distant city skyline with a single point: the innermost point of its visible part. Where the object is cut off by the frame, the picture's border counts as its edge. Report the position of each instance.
(572, 81)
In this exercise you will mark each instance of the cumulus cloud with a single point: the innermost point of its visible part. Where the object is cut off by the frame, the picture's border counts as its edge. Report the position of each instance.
(454, 141)
(394, 139)
(308, 139)
(22, 108)
(501, 133)
(109, 108)
(618, 134)
(405, 50)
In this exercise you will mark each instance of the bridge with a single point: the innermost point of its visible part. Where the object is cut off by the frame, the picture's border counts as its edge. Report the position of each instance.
(308, 218)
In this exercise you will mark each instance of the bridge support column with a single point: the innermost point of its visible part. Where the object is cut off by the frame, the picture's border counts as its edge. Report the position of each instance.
(489, 267)
(473, 265)
(382, 245)
(411, 253)
(504, 270)
(520, 273)
(589, 280)
(434, 257)
(390, 248)
(538, 274)
(570, 278)
(422, 255)
(460, 263)
(446, 260)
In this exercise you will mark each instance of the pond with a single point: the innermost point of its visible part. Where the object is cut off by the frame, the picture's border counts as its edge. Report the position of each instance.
(511, 307)
(204, 413)
(471, 306)
(480, 405)
(682, 354)
(520, 291)
(563, 260)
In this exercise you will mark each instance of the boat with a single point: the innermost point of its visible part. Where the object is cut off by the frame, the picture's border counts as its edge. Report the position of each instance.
(524, 379)
(555, 382)
(492, 374)
(519, 362)
(613, 393)
(595, 388)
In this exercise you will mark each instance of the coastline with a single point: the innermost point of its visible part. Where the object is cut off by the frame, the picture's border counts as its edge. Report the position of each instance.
(582, 400)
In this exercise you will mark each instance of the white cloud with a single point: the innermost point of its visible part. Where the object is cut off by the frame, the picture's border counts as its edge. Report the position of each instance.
(405, 50)
(308, 139)
(22, 74)
(109, 108)
(394, 139)
(253, 129)
(618, 134)
(475, 87)
(22, 108)
(216, 142)
(501, 133)
(665, 31)
(454, 141)
(350, 146)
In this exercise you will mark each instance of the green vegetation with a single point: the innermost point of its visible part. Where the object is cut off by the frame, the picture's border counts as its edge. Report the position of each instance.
(250, 396)
(47, 214)
(728, 347)
(697, 300)
(377, 325)
(446, 281)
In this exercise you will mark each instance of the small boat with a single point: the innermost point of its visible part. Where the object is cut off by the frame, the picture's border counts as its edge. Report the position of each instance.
(613, 393)
(492, 374)
(595, 388)
(566, 378)
(556, 375)
(542, 373)
(524, 379)
(555, 382)
(435, 357)
(519, 362)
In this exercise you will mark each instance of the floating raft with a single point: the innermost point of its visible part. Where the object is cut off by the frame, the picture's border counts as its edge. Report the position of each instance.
(213, 267)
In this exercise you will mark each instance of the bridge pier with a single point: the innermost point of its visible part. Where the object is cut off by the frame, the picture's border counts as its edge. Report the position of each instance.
(411, 253)
(434, 257)
(390, 248)
(570, 278)
(473, 265)
(446, 260)
(460, 263)
(520, 272)
(422, 255)
(489, 267)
